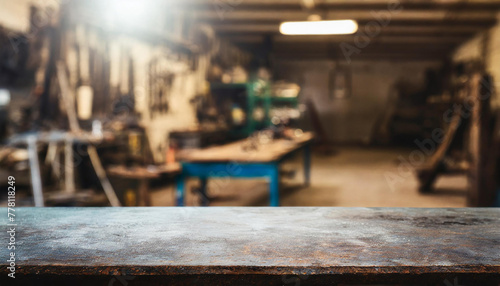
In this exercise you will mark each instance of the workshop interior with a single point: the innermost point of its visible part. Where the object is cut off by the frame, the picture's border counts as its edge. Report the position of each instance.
(250, 142)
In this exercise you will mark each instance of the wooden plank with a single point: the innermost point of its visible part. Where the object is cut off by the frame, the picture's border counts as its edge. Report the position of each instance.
(271, 241)
(236, 152)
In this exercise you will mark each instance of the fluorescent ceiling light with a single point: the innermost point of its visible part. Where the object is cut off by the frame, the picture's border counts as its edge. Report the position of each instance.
(335, 27)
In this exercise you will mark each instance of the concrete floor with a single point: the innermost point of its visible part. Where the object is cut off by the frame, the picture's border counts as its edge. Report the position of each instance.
(352, 177)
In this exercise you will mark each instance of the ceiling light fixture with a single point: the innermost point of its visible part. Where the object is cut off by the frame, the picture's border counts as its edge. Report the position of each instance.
(335, 27)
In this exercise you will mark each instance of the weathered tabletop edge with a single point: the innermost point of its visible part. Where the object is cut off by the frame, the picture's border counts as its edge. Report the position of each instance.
(152, 270)
(162, 269)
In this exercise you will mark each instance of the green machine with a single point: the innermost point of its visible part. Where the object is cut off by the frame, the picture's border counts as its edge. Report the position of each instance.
(248, 107)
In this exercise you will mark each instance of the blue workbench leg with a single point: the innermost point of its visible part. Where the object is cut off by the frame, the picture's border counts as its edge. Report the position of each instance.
(497, 201)
(307, 164)
(203, 192)
(274, 181)
(179, 193)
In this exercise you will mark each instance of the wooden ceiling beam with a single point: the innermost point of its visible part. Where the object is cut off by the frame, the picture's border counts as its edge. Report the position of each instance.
(343, 4)
(363, 56)
(421, 29)
(479, 23)
(334, 50)
(359, 15)
(378, 50)
(238, 29)
(351, 39)
(372, 46)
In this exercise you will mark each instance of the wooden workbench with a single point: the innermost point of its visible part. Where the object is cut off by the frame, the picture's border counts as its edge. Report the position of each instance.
(272, 151)
(266, 246)
(236, 160)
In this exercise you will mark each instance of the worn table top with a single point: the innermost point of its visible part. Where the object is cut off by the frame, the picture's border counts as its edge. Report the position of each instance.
(149, 172)
(164, 241)
(235, 152)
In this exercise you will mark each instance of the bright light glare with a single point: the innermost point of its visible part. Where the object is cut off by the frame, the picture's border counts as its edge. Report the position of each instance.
(126, 13)
(335, 27)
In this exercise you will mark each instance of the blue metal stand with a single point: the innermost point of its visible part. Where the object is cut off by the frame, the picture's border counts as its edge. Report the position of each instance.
(270, 171)
(179, 194)
(497, 201)
(274, 188)
(307, 165)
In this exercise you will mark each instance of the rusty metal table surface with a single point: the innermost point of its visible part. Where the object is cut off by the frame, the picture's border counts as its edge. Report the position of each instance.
(273, 241)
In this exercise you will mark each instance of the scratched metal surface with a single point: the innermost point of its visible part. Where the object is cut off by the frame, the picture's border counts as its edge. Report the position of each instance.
(164, 241)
